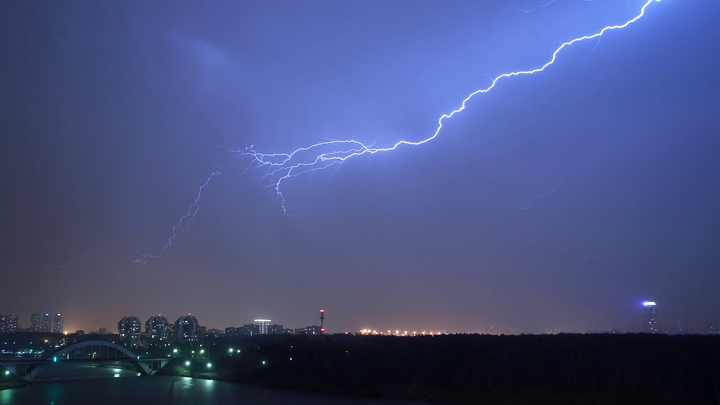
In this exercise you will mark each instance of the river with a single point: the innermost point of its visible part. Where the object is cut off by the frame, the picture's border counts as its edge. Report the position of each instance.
(166, 390)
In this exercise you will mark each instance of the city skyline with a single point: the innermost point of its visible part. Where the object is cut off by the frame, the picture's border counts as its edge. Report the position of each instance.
(648, 322)
(559, 200)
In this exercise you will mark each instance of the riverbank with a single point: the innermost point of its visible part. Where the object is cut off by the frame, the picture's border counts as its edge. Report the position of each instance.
(465, 369)
(13, 384)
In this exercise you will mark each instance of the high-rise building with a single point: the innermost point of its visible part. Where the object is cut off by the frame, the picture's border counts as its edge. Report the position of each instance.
(58, 323)
(46, 322)
(186, 329)
(263, 326)
(156, 331)
(129, 331)
(35, 325)
(8, 323)
(651, 320)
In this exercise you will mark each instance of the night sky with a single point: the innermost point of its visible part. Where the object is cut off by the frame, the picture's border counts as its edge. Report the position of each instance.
(559, 200)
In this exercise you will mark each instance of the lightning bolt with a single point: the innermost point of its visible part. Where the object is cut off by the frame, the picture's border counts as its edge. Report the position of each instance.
(530, 204)
(283, 166)
(518, 9)
(277, 168)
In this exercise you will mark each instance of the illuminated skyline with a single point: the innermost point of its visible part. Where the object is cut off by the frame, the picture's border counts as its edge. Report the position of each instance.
(557, 200)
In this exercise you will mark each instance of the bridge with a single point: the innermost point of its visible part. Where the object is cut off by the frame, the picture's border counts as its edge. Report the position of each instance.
(95, 351)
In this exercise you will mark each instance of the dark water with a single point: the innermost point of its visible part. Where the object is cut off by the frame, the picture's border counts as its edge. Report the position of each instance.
(162, 390)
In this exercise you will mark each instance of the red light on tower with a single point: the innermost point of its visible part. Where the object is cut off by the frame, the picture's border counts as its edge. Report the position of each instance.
(322, 319)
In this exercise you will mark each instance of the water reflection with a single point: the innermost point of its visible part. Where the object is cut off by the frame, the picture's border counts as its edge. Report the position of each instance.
(166, 391)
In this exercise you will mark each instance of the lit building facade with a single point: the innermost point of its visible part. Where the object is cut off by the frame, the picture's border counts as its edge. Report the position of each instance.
(157, 331)
(309, 330)
(35, 323)
(46, 322)
(58, 323)
(8, 323)
(263, 326)
(651, 320)
(186, 329)
(259, 327)
(129, 331)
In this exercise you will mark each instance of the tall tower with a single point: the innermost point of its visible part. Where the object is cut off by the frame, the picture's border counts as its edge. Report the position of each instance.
(651, 320)
(129, 331)
(156, 331)
(322, 320)
(46, 322)
(58, 323)
(35, 325)
(186, 329)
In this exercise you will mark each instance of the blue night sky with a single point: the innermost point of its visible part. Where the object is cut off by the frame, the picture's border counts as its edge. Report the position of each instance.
(557, 200)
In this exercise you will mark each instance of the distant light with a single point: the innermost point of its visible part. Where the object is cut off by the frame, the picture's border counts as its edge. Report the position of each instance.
(209, 365)
(648, 304)
(263, 362)
(202, 351)
(322, 310)
(187, 363)
(230, 350)
(55, 359)
(7, 372)
(116, 375)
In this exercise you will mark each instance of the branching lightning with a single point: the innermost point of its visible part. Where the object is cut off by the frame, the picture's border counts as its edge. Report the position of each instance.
(283, 166)
(530, 204)
(506, 9)
(277, 168)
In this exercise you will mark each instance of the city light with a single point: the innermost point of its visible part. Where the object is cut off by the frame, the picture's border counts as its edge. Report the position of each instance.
(187, 363)
(397, 332)
(209, 365)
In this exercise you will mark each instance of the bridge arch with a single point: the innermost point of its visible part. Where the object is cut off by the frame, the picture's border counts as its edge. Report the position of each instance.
(89, 350)
(92, 349)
